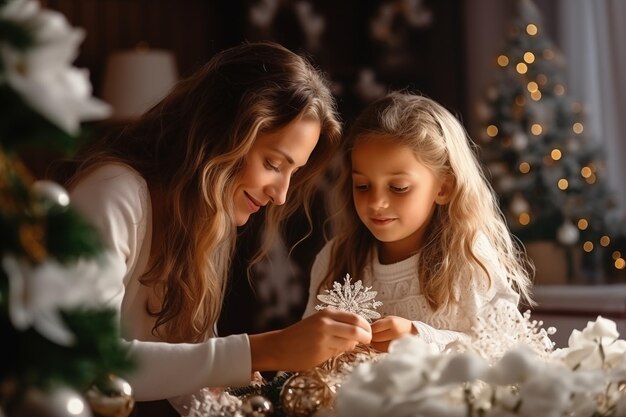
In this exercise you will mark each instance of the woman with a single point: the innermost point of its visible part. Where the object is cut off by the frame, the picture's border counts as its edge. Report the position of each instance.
(251, 130)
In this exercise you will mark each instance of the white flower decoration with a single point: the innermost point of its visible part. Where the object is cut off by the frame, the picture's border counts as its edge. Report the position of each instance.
(38, 293)
(352, 298)
(414, 378)
(43, 74)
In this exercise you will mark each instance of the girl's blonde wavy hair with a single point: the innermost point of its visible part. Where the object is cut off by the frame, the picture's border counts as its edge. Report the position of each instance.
(440, 142)
(192, 145)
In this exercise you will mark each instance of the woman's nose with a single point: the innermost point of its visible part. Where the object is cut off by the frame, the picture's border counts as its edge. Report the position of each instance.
(277, 192)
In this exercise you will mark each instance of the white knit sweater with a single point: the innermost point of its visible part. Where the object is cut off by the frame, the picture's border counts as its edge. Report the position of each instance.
(398, 288)
(116, 200)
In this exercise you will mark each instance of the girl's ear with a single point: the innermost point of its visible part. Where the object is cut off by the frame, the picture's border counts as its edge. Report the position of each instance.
(445, 191)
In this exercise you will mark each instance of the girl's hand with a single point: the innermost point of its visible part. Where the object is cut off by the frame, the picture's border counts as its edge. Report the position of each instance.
(389, 328)
(309, 342)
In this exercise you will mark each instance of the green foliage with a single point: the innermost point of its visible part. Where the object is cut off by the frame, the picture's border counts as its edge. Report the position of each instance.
(36, 361)
(22, 128)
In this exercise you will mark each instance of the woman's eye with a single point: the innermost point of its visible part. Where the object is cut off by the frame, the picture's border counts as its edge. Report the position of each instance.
(270, 165)
(399, 189)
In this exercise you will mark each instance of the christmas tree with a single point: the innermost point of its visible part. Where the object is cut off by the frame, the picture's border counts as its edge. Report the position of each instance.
(547, 172)
(60, 341)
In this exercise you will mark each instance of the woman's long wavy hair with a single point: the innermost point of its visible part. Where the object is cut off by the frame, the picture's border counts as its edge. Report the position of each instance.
(192, 145)
(440, 142)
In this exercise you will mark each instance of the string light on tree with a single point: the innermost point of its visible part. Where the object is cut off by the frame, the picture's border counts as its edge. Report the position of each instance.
(536, 131)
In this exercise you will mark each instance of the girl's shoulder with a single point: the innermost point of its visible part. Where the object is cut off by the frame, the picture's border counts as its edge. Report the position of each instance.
(483, 247)
(327, 249)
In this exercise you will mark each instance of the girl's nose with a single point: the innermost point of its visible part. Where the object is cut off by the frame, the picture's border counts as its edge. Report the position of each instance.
(378, 199)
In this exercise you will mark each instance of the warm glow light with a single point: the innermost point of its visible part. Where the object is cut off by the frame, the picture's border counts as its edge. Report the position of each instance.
(503, 60)
(556, 154)
(536, 129)
(591, 180)
(542, 79)
(605, 241)
(529, 57)
(521, 68)
(563, 184)
(532, 86)
(524, 167)
(536, 95)
(532, 29)
(620, 263)
(75, 406)
(492, 131)
(578, 127)
(586, 172)
(588, 246)
(583, 224)
(616, 254)
(520, 100)
(559, 89)
(524, 219)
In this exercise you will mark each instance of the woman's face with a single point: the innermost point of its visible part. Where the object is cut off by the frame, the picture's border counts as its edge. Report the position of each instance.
(268, 167)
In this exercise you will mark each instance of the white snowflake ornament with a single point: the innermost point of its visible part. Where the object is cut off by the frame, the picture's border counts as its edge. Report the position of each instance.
(353, 298)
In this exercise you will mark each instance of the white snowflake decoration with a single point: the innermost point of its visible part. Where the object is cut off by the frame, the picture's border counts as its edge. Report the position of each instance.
(353, 298)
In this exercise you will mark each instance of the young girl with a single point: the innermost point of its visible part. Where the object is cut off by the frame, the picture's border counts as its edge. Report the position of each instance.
(418, 222)
(167, 195)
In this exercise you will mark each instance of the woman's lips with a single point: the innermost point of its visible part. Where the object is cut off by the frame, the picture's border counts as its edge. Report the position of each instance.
(252, 203)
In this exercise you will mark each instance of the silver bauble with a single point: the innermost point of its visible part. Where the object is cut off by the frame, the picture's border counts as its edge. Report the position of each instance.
(567, 233)
(51, 193)
(256, 406)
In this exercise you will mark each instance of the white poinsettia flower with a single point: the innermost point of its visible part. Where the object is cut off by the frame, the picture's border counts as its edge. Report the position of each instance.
(38, 293)
(43, 74)
(596, 346)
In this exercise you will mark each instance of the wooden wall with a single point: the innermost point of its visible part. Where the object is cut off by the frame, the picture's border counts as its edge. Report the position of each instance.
(193, 29)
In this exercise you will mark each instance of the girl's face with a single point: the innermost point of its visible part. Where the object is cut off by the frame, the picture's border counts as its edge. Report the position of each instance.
(394, 196)
(268, 167)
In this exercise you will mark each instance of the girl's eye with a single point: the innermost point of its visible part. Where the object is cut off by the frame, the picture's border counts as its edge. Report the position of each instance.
(399, 189)
(361, 187)
(269, 165)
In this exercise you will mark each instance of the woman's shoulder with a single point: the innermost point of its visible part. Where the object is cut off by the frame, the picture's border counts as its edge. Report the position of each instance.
(114, 171)
(110, 188)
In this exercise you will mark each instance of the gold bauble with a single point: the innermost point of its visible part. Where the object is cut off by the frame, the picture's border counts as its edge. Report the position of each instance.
(305, 393)
(110, 396)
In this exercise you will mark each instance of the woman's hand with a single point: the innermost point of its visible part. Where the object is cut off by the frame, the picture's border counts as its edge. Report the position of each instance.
(389, 328)
(309, 342)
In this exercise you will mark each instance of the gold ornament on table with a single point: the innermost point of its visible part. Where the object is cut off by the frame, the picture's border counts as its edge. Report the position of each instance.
(306, 392)
(110, 396)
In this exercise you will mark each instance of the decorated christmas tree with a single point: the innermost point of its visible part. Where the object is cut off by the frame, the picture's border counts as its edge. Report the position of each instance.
(63, 355)
(547, 172)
